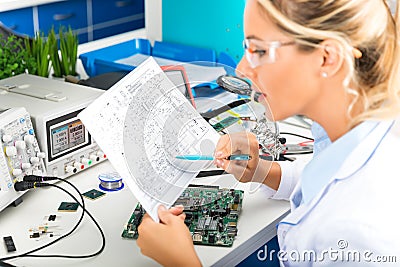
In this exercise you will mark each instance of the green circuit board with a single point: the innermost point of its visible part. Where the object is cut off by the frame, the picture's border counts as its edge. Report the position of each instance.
(225, 123)
(211, 212)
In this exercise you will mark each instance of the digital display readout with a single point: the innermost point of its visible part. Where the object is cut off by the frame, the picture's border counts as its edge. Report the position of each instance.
(67, 136)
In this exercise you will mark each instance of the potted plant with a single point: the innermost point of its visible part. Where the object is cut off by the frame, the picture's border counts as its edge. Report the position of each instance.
(13, 56)
(63, 53)
(38, 50)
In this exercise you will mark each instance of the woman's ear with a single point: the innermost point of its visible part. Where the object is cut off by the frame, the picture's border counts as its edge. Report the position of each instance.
(332, 54)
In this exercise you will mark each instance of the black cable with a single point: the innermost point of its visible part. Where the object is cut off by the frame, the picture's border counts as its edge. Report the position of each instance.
(210, 173)
(213, 113)
(32, 178)
(5, 264)
(284, 158)
(298, 153)
(37, 184)
(24, 186)
(95, 222)
(298, 135)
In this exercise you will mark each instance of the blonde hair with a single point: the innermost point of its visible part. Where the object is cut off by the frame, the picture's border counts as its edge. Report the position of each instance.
(367, 26)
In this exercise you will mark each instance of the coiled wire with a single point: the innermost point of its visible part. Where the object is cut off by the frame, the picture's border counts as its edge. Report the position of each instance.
(267, 134)
(110, 182)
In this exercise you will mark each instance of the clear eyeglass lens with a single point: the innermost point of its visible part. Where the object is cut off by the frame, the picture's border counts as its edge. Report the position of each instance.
(253, 58)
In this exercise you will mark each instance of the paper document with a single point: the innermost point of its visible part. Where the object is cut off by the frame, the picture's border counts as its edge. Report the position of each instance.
(197, 74)
(142, 123)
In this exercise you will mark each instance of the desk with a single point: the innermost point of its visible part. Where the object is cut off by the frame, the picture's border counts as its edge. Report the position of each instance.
(257, 224)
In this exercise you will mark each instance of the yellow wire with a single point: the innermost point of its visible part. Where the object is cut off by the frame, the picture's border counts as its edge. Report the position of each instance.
(233, 113)
(237, 115)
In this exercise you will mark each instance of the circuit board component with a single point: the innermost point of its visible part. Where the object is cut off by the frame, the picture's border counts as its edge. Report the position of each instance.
(225, 123)
(211, 212)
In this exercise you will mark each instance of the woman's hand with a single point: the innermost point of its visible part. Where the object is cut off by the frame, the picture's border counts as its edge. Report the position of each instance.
(168, 242)
(238, 143)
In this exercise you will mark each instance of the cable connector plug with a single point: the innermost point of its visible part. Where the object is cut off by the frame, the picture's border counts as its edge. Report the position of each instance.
(22, 186)
(36, 178)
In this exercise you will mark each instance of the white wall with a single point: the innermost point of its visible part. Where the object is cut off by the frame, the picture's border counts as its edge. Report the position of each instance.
(153, 20)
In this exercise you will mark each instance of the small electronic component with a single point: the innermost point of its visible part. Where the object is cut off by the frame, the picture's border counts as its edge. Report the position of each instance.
(93, 194)
(68, 206)
(209, 215)
(35, 235)
(9, 242)
(51, 221)
(219, 126)
(45, 229)
(197, 237)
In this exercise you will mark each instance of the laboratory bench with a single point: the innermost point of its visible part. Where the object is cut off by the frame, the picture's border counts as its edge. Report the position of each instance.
(256, 225)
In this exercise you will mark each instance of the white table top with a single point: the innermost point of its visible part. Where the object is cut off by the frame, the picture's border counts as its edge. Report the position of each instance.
(256, 225)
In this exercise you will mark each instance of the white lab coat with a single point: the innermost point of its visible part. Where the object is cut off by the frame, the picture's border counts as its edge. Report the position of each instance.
(354, 219)
(291, 170)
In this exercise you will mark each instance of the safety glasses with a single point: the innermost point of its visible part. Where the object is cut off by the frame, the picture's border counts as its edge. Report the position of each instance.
(262, 52)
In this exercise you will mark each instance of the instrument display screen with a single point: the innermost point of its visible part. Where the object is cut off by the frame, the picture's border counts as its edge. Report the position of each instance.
(66, 135)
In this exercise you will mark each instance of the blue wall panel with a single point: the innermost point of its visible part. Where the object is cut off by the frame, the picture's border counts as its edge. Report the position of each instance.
(214, 24)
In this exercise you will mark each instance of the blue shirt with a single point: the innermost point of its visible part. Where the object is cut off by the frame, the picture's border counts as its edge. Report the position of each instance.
(346, 200)
(327, 161)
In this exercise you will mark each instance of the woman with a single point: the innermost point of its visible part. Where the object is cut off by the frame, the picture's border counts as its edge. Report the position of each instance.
(337, 62)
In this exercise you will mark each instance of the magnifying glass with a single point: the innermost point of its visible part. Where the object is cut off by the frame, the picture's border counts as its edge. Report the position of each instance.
(236, 85)
(265, 130)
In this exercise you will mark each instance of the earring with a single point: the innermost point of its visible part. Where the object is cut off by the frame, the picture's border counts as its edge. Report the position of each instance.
(324, 74)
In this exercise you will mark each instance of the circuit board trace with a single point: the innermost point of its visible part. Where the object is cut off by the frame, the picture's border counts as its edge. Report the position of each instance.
(212, 215)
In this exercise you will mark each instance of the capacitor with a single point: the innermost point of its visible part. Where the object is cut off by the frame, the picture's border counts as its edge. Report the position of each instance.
(220, 227)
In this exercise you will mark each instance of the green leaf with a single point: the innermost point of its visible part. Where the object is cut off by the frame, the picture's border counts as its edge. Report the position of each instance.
(12, 52)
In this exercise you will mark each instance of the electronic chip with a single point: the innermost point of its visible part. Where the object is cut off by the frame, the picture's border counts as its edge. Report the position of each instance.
(35, 235)
(68, 206)
(93, 194)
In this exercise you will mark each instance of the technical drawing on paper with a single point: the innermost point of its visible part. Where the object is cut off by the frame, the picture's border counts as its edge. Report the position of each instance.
(142, 123)
(161, 124)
